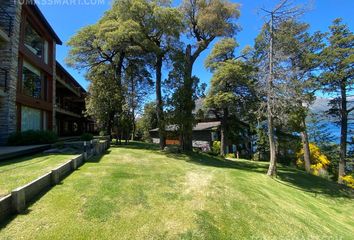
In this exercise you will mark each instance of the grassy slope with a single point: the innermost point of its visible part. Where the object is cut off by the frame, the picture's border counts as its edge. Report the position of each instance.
(143, 194)
(17, 172)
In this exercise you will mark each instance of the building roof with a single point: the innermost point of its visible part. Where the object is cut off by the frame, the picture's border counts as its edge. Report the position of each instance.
(202, 126)
(33, 6)
(206, 126)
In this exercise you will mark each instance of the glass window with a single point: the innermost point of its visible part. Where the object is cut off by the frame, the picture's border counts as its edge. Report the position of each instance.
(33, 41)
(214, 136)
(31, 81)
(30, 119)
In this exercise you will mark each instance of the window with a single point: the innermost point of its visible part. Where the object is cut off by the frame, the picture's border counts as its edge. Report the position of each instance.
(34, 42)
(30, 119)
(31, 81)
(214, 136)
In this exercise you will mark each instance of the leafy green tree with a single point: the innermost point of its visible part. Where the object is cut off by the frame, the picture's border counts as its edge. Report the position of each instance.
(271, 72)
(147, 121)
(103, 97)
(159, 27)
(301, 51)
(231, 85)
(318, 130)
(338, 80)
(204, 20)
(138, 84)
(106, 43)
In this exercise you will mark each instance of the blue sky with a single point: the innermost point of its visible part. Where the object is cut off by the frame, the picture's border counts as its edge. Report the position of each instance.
(67, 19)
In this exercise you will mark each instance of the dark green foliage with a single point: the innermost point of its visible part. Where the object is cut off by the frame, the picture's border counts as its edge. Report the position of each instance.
(147, 122)
(86, 137)
(318, 130)
(216, 147)
(262, 143)
(337, 79)
(32, 137)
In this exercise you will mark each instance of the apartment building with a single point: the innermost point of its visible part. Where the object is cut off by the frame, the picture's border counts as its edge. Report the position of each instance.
(69, 105)
(30, 92)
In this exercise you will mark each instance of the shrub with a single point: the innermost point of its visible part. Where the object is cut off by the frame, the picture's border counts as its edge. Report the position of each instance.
(230, 155)
(172, 149)
(216, 147)
(86, 137)
(32, 137)
(349, 181)
(318, 160)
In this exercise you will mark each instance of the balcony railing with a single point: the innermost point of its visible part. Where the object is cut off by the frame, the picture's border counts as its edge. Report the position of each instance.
(6, 21)
(68, 109)
(70, 86)
(4, 75)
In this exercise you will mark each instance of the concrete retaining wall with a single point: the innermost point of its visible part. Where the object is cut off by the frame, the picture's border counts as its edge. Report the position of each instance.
(5, 207)
(35, 187)
(18, 200)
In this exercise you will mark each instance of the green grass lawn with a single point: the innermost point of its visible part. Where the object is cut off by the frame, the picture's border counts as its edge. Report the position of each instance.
(137, 192)
(17, 172)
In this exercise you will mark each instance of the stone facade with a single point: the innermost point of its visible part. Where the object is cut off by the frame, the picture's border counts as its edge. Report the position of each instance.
(9, 61)
(17, 103)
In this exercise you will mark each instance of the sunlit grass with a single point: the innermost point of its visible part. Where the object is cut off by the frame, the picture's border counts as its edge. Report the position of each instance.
(137, 192)
(20, 171)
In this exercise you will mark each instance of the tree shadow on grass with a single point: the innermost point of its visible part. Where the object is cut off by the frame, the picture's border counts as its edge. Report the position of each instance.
(288, 176)
(303, 181)
(196, 158)
(98, 158)
(219, 162)
(27, 158)
(136, 145)
(28, 210)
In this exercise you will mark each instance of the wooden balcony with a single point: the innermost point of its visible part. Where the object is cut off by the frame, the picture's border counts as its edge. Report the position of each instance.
(67, 112)
(69, 86)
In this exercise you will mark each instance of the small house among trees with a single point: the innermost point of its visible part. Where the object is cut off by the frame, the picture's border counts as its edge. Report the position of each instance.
(206, 133)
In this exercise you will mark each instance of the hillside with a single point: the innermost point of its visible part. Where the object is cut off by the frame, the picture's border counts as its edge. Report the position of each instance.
(137, 192)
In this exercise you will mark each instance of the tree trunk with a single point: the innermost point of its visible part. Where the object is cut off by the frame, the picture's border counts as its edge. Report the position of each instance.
(223, 131)
(306, 147)
(132, 103)
(188, 104)
(343, 133)
(118, 77)
(272, 170)
(109, 125)
(133, 127)
(159, 103)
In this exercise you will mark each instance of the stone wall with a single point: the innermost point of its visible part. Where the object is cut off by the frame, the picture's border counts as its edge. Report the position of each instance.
(9, 61)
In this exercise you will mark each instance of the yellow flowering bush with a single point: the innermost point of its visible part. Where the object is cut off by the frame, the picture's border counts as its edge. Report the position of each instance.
(318, 160)
(349, 181)
(230, 155)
